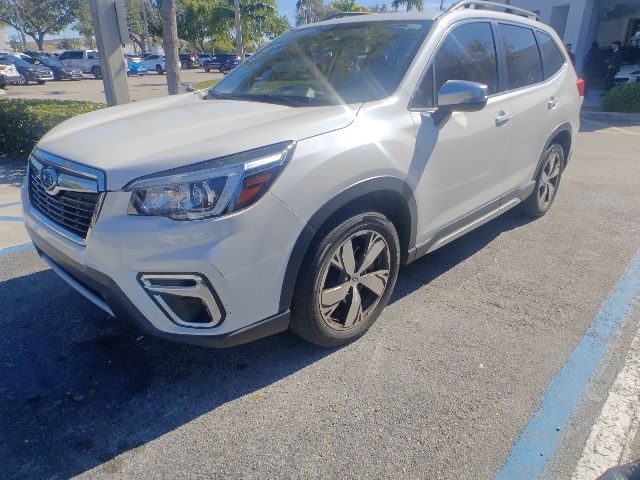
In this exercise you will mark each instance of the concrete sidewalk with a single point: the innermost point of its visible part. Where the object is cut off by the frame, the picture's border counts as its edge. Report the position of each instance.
(12, 231)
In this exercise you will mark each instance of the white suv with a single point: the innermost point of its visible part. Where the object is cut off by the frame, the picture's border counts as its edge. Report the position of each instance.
(289, 194)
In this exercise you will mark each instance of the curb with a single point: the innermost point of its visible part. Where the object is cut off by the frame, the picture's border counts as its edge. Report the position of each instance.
(627, 117)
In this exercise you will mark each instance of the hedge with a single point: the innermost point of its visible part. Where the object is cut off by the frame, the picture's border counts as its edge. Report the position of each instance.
(23, 122)
(622, 98)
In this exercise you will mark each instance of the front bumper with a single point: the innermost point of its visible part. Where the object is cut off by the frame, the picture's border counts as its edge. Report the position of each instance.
(75, 75)
(243, 256)
(12, 80)
(39, 76)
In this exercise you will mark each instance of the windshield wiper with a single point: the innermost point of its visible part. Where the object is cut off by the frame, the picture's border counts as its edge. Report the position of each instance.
(288, 100)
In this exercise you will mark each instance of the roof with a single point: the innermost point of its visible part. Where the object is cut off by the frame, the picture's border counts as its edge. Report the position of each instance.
(375, 17)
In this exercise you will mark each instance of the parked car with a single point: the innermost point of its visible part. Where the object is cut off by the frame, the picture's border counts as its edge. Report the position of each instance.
(223, 62)
(86, 60)
(627, 74)
(202, 57)
(30, 72)
(188, 60)
(291, 193)
(155, 62)
(8, 74)
(59, 70)
(34, 54)
(135, 66)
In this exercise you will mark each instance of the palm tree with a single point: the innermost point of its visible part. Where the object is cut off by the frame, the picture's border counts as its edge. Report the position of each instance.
(411, 4)
(170, 45)
(245, 14)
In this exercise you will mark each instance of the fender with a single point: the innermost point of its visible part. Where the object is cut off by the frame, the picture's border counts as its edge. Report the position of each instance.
(345, 197)
(564, 127)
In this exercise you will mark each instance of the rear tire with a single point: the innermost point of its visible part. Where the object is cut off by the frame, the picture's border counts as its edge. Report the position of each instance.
(547, 183)
(346, 279)
(159, 70)
(41, 82)
(96, 72)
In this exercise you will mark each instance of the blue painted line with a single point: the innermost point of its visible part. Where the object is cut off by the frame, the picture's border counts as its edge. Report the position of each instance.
(15, 249)
(11, 204)
(540, 437)
(9, 218)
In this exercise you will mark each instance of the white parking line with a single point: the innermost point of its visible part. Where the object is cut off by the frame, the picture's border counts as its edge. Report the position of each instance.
(616, 428)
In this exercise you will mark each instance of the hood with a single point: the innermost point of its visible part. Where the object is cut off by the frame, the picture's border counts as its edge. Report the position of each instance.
(142, 138)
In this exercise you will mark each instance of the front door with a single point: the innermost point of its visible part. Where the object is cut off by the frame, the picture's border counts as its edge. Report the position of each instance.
(458, 165)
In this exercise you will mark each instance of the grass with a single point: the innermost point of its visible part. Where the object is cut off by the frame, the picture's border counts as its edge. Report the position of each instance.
(205, 84)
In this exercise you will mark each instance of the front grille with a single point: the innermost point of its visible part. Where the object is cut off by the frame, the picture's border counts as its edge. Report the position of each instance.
(69, 210)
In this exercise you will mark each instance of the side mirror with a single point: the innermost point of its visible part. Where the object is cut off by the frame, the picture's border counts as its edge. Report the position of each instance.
(462, 96)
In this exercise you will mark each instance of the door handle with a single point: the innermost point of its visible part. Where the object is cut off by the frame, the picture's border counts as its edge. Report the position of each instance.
(502, 118)
(553, 103)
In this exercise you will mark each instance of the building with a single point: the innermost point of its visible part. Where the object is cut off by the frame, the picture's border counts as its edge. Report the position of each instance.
(581, 22)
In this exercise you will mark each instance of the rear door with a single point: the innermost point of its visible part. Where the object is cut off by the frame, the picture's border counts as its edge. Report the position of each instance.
(458, 165)
(533, 91)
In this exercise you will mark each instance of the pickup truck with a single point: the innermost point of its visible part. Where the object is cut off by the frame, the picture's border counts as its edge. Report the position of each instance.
(86, 60)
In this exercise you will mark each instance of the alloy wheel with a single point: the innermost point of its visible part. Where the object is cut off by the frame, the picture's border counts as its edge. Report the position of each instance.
(549, 179)
(354, 280)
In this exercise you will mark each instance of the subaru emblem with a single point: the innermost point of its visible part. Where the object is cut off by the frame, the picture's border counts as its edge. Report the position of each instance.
(49, 179)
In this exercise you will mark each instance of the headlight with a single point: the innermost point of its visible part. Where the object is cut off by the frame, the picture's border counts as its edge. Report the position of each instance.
(211, 188)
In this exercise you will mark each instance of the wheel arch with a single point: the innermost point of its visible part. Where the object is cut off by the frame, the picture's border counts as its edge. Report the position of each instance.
(390, 196)
(563, 134)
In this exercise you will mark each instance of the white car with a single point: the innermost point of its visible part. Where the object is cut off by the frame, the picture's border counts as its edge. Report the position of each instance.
(289, 195)
(155, 63)
(8, 74)
(87, 61)
(628, 74)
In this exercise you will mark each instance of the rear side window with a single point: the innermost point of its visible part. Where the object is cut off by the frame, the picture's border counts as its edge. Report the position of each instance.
(467, 53)
(552, 58)
(524, 66)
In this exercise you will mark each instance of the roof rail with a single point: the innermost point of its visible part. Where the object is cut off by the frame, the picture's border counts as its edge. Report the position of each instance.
(335, 15)
(493, 6)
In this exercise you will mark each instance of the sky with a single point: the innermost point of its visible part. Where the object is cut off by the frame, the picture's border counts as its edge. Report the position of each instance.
(285, 7)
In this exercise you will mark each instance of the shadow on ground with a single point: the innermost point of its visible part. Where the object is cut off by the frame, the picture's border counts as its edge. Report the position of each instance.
(12, 170)
(78, 388)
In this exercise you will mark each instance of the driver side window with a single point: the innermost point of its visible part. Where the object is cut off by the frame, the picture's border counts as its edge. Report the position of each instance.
(467, 53)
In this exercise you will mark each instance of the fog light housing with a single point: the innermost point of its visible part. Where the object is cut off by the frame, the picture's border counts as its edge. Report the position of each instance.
(187, 299)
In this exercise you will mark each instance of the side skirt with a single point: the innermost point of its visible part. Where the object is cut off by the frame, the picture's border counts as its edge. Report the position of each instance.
(471, 221)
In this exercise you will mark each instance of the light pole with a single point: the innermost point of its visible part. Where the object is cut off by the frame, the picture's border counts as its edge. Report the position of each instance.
(109, 22)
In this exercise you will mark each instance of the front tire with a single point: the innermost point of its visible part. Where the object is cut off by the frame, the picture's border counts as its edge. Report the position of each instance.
(346, 280)
(96, 72)
(547, 183)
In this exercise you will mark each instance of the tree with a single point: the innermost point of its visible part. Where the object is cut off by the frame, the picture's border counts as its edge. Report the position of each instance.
(170, 45)
(346, 6)
(377, 8)
(194, 22)
(411, 4)
(39, 17)
(310, 11)
(256, 17)
(135, 21)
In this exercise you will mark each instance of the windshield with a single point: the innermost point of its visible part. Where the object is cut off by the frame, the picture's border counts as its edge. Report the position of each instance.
(328, 64)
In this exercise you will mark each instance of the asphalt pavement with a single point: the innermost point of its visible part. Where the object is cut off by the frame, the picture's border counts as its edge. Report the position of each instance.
(440, 388)
(141, 87)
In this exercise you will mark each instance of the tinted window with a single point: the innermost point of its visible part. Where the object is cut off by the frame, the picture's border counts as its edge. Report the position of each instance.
(552, 58)
(524, 66)
(467, 53)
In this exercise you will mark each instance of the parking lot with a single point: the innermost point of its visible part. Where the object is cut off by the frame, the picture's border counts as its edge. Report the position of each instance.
(467, 356)
(140, 87)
